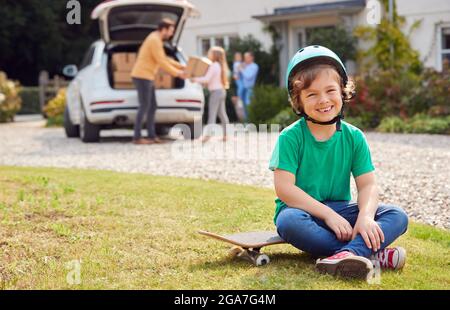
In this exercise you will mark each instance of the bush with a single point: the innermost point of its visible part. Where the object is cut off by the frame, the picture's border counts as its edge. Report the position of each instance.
(392, 124)
(387, 93)
(10, 101)
(30, 100)
(420, 123)
(267, 102)
(358, 121)
(285, 118)
(436, 90)
(55, 109)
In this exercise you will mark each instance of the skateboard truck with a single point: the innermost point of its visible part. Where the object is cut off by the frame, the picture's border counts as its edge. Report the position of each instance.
(250, 254)
(248, 245)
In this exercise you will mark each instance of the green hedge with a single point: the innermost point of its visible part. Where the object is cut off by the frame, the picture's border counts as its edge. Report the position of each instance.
(358, 121)
(420, 123)
(30, 100)
(285, 118)
(267, 101)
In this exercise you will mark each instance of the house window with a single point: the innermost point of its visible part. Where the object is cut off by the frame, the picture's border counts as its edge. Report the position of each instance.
(219, 42)
(445, 46)
(206, 44)
(223, 41)
(300, 39)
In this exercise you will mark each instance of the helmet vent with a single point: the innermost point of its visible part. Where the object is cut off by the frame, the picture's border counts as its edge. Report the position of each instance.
(316, 46)
(301, 50)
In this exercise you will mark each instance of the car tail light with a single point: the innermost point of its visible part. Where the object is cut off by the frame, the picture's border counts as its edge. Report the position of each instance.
(107, 102)
(188, 101)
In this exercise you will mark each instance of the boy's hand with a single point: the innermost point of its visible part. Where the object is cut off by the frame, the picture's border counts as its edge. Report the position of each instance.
(340, 226)
(370, 231)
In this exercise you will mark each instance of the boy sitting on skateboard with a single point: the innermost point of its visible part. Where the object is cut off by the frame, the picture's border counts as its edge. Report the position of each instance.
(312, 162)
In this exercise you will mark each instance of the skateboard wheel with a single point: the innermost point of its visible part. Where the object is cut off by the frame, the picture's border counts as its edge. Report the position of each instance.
(235, 251)
(262, 259)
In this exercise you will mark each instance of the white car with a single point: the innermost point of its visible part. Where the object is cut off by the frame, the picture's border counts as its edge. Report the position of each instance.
(93, 104)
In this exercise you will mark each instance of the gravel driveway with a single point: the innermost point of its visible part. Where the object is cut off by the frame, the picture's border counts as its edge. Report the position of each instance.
(412, 170)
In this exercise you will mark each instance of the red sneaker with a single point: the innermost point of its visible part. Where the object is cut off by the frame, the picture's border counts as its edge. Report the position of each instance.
(347, 265)
(390, 258)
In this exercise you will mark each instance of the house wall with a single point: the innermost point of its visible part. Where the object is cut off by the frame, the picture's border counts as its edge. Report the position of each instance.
(234, 18)
(434, 14)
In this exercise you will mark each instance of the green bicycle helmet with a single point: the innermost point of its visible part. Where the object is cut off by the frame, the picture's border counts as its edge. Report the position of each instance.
(313, 55)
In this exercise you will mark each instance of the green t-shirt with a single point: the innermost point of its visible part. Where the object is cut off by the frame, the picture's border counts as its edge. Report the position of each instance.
(321, 168)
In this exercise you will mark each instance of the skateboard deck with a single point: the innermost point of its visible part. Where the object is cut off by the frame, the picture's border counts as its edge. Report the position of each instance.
(247, 245)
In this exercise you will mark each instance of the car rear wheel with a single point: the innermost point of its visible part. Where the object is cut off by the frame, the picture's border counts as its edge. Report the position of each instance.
(88, 131)
(72, 131)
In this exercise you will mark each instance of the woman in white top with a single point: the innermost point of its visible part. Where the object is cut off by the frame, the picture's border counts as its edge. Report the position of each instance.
(217, 80)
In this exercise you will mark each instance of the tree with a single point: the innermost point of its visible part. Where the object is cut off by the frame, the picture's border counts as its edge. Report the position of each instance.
(36, 37)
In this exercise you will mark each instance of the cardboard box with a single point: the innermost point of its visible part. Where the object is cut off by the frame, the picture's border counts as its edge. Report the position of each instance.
(197, 66)
(123, 80)
(124, 85)
(123, 61)
(122, 77)
(163, 80)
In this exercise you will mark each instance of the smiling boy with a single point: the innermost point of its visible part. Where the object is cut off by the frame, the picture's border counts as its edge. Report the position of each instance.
(312, 163)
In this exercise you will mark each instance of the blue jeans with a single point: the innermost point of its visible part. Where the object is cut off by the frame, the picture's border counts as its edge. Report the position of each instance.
(246, 95)
(313, 236)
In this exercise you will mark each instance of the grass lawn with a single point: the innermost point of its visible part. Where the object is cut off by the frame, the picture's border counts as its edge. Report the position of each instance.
(134, 231)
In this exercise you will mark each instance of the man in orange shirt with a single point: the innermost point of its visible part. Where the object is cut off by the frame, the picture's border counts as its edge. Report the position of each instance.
(150, 58)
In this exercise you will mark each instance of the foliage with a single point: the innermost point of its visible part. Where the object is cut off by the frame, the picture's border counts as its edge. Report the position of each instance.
(392, 124)
(30, 100)
(405, 94)
(285, 118)
(420, 123)
(358, 121)
(54, 109)
(267, 102)
(436, 89)
(393, 82)
(10, 101)
(338, 39)
(386, 35)
(35, 37)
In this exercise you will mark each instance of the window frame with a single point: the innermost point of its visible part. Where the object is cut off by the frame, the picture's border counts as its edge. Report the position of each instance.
(440, 51)
(212, 41)
(88, 57)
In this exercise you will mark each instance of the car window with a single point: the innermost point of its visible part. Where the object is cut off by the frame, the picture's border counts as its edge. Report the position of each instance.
(135, 22)
(87, 60)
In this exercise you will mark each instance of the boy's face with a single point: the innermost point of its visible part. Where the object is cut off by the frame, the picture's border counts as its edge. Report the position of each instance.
(322, 100)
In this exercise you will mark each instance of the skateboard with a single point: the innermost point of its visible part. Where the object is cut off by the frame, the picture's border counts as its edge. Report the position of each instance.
(247, 245)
